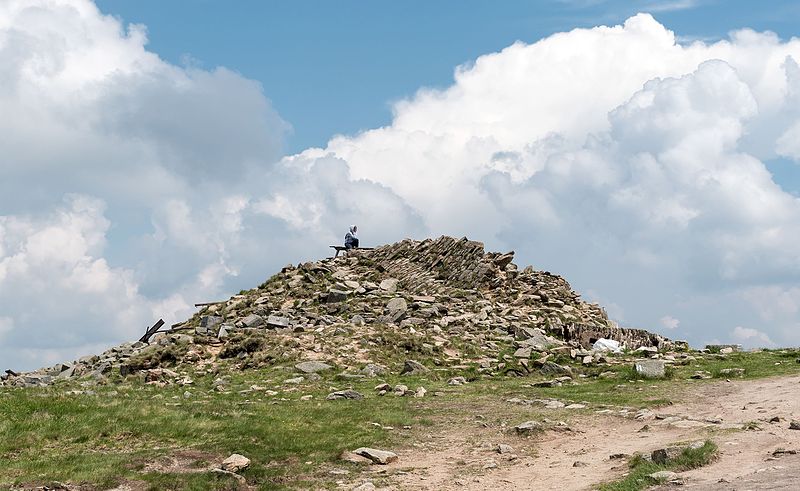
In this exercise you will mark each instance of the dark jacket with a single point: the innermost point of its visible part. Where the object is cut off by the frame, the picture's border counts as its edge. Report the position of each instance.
(350, 241)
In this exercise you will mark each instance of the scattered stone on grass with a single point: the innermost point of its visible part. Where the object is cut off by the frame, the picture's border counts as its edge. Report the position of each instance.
(345, 394)
(312, 366)
(235, 463)
(529, 427)
(411, 367)
(381, 457)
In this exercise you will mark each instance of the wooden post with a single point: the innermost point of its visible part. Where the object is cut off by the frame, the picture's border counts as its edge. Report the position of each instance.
(149, 333)
(206, 304)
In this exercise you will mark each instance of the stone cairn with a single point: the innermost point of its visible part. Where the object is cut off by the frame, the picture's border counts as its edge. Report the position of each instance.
(445, 302)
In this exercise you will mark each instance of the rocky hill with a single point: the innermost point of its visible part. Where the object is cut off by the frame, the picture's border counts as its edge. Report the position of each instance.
(414, 305)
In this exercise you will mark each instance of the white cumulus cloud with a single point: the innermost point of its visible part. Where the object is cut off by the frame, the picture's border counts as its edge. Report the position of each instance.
(628, 162)
(669, 322)
(752, 337)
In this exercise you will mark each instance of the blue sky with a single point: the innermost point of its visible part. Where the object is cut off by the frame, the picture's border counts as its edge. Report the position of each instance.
(335, 67)
(160, 153)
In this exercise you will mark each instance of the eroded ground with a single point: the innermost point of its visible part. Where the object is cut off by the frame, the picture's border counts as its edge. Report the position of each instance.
(734, 414)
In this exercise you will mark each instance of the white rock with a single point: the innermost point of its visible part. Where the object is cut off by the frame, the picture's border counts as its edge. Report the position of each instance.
(235, 463)
(382, 457)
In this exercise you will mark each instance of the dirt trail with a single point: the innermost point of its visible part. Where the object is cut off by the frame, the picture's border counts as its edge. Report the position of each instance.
(466, 458)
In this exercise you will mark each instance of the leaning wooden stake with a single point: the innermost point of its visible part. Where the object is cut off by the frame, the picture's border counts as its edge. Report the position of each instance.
(151, 331)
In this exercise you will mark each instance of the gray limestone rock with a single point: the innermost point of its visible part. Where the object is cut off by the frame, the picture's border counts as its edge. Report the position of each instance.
(235, 463)
(312, 366)
(650, 368)
(504, 260)
(389, 285)
(373, 370)
(345, 394)
(336, 296)
(411, 367)
(529, 427)
(396, 308)
(224, 330)
(252, 320)
(382, 457)
(504, 449)
(551, 368)
(664, 476)
(210, 321)
(523, 353)
(275, 321)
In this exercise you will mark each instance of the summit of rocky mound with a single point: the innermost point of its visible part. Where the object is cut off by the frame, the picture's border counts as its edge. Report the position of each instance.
(414, 305)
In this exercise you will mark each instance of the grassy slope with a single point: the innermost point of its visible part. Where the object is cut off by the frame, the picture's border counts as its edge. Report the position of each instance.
(109, 436)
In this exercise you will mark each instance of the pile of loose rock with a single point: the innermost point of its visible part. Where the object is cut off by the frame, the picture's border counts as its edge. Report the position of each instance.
(444, 302)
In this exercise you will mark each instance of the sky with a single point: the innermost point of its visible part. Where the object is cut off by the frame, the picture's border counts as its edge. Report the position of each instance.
(156, 154)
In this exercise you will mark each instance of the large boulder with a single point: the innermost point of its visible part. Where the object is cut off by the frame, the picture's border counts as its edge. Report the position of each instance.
(397, 308)
(252, 320)
(411, 367)
(312, 366)
(336, 296)
(651, 368)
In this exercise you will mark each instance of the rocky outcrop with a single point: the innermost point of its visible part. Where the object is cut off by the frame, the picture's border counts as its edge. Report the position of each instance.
(442, 302)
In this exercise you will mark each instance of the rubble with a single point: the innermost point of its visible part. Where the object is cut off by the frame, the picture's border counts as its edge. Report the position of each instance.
(443, 302)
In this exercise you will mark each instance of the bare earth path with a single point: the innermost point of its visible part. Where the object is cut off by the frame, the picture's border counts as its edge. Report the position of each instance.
(466, 457)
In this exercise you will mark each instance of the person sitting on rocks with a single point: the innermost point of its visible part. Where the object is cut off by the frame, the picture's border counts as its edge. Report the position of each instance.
(351, 239)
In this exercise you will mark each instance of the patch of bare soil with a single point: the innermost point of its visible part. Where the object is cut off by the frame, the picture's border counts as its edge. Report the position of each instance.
(466, 457)
(186, 461)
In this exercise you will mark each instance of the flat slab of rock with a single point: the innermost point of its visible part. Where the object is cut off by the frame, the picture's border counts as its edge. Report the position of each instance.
(382, 457)
(345, 394)
(389, 285)
(312, 366)
(275, 321)
(253, 320)
(664, 476)
(353, 458)
(210, 321)
(397, 305)
(234, 475)
(650, 368)
(235, 463)
(529, 427)
(336, 296)
(522, 353)
(412, 367)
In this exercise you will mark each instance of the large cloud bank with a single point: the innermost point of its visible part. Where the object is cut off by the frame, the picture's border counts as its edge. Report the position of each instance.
(131, 188)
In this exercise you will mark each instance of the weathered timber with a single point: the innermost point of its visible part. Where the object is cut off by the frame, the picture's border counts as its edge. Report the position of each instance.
(206, 304)
(149, 333)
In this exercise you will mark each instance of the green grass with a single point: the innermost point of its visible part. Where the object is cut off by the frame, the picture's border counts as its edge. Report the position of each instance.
(756, 364)
(114, 434)
(638, 477)
(108, 437)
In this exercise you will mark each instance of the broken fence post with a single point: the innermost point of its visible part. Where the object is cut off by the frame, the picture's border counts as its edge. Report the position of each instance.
(149, 333)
